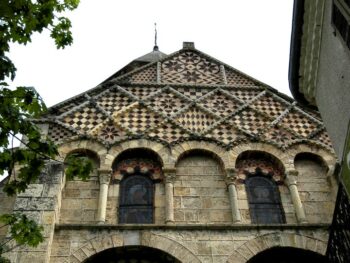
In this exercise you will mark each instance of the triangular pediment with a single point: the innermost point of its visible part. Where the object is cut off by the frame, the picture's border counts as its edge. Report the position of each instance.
(190, 67)
(186, 95)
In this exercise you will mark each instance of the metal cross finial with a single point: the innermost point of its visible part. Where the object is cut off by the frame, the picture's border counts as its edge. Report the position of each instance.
(155, 37)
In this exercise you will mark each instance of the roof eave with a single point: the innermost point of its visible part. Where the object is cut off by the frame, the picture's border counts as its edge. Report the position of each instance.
(295, 52)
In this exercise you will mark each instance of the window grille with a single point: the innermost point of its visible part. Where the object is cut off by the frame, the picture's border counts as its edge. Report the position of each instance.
(136, 200)
(264, 201)
(341, 19)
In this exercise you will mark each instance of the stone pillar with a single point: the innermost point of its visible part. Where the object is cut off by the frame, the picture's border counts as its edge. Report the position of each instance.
(291, 181)
(231, 176)
(39, 203)
(105, 177)
(170, 175)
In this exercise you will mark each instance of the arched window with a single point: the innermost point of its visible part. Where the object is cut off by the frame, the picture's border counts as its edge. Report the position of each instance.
(136, 200)
(264, 201)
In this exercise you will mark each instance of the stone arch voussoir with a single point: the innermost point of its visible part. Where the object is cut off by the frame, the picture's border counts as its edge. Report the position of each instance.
(161, 150)
(254, 246)
(223, 155)
(93, 146)
(146, 239)
(328, 158)
(283, 156)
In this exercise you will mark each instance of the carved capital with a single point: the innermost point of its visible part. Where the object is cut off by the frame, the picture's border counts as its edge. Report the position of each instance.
(104, 176)
(291, 177)
(169, 174)
(231, 176)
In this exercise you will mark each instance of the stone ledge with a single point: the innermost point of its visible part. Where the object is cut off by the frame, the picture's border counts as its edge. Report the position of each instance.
(238, 227)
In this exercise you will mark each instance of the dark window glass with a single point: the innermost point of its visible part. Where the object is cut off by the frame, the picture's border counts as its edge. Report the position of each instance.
(136, 200)
(264, 201)
(347, 2)
(341, 24)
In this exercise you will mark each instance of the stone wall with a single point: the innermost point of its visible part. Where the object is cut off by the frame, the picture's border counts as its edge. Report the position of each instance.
(80, 200)
(40, 202)
(316, 191)
(197, 245)
(200, 194)
(6, 206)
(203, 228)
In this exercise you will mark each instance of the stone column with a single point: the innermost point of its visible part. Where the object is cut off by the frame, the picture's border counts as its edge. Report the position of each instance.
(231, 176)
(291, 181)
(105, 177)
(170, 175)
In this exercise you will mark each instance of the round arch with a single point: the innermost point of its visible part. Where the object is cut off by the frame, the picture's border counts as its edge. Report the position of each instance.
(254, 246)
(283, 156)
(81, 145)
(159, 149)
(287, 255)
(145, 239)
(251, 160)
(137, 254)
(326, 157)
(219, 153)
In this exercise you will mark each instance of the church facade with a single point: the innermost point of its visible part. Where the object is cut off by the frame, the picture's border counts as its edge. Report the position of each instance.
(194, 162)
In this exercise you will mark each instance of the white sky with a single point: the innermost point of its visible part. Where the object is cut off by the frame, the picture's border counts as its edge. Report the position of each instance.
(251, 35)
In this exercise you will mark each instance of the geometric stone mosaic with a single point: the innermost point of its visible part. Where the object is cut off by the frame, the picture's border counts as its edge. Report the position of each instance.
(187, 95)
(190, 68)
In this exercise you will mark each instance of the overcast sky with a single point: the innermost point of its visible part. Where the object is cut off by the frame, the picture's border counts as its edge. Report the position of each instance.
(251, 35)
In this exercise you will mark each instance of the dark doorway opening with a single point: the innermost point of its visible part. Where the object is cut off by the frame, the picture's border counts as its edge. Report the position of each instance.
(132, 254)
(287, 255)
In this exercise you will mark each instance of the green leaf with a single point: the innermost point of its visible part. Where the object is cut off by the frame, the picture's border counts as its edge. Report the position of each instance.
(78, 166)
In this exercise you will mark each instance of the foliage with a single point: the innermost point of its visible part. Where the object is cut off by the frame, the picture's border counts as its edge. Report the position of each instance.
(78, 164)
(23, 230)
(19, 20)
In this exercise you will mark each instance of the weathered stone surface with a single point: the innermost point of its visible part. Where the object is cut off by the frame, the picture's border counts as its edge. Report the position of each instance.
(33, 190)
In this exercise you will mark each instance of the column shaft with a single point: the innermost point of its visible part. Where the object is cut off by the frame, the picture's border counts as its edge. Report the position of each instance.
(169, 202)
(170, 175)
(236, 215)
(293, 189)
(102, 202)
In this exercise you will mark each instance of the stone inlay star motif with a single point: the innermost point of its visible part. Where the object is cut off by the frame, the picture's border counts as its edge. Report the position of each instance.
(109, 133)
(191, 76)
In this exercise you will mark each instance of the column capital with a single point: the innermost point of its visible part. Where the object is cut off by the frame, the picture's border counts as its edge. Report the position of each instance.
(169, 174)
(104, 176)
(292, 172)
(291, 177)
(231, 176)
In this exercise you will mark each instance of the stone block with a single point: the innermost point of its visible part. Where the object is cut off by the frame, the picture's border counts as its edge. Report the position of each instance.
(191, 202)
(60, 248)
(21, 204)
(41, 203)
(221, 247)
(30, 257)
(191, 216)
(71, 193)
(220, 202)
(58, 259)
(48, 217)
(220, 216)
(243, 204)
(131, 238)
(159, 202)
(88, 215)
(33, 190)
(91, 204)
(204, 216)
(179, 215)
(181, 191)
(203, 248)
